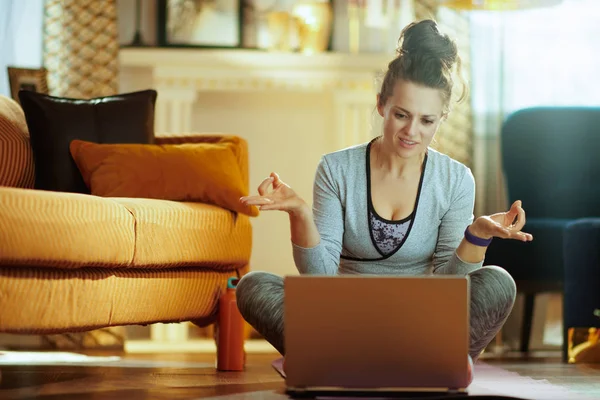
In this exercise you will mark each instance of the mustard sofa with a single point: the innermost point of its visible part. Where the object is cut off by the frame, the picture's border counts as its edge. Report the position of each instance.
(75, 262)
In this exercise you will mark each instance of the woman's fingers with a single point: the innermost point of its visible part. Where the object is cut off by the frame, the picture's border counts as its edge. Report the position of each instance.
(277, 182)
(264, 185)
(506, 230)
(514, 218)
(263, 203)
(256, 200)
(512, 213)
(520, 220)
(525, 237)
(517, 235)
(281, 205)
(280, 198)
(510, 233)
(271, 207)
(272, 179)
(275, 177)
(500, 231)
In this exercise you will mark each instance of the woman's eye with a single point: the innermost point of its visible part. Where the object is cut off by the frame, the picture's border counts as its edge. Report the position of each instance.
(427, 121)
(400, 116)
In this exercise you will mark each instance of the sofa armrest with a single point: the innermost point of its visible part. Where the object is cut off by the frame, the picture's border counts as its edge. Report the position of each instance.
(241, 146)
(16, 157)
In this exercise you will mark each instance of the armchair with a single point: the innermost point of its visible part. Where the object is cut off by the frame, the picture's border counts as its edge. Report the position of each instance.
(550, 161)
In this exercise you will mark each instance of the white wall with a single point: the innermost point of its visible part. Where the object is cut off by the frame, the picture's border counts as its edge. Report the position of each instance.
(20, 37)
(286, 133)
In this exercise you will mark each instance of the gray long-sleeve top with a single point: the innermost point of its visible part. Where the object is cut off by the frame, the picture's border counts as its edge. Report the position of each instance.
(444, 208)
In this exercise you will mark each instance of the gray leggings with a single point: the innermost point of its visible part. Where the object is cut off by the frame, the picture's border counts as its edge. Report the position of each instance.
(493, 292)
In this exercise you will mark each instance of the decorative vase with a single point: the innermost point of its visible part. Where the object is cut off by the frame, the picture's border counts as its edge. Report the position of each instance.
(280, 25)
(314, 20)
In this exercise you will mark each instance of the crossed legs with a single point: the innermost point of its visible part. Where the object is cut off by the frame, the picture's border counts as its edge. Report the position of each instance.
(493, 292)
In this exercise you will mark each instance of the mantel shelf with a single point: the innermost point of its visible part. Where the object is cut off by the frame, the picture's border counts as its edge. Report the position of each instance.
(251, 59)
(181, 75)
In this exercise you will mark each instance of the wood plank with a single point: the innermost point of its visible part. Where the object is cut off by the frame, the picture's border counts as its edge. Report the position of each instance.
(193, 376)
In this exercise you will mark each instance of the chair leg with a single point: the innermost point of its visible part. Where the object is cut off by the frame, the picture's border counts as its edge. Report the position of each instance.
(527, 322)
(565, 345)
(565, 331)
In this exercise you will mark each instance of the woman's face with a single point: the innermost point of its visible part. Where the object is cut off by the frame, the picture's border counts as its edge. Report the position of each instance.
(411, 117)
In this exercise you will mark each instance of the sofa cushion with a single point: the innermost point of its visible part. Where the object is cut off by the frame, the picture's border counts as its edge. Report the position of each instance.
(16, 158)
(55, 300)
(199, 172)
(176, 234)
(65, 230)
(54, 122)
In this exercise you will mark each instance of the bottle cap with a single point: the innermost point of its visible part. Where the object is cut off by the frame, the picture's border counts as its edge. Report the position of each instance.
(232, 282)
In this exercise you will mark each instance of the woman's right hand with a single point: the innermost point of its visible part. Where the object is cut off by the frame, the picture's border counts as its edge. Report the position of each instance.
(281, 198)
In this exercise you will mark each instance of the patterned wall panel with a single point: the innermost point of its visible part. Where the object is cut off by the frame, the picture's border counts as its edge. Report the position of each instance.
(81, 47)
(455, 137)
(81, 52)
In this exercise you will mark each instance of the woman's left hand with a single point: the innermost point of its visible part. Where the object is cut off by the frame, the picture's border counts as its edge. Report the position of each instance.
(502, 225)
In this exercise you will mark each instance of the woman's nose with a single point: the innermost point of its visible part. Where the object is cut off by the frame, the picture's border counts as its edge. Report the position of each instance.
(411, 128)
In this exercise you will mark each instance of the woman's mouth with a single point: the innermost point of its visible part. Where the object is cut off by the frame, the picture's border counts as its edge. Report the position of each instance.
(409, 144)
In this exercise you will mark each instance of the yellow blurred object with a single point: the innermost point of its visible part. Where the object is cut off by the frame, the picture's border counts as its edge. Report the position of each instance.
(497, 5)
(280, 26)
(314, 20)
(354, 27)
(584, 345)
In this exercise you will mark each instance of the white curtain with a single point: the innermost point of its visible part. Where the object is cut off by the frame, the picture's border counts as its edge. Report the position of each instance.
(540, 57)
(21, 27)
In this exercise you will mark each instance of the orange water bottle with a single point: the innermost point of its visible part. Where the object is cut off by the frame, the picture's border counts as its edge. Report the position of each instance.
(230, 338)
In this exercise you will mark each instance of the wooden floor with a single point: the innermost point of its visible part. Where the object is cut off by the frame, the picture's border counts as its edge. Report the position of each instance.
(193, 376)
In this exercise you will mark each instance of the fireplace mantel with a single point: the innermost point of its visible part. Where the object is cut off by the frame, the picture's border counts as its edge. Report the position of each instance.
(180, 75)
(284, 70)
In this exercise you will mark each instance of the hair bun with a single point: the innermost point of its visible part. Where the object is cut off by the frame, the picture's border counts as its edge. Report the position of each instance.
(425, 57)
(425, 39)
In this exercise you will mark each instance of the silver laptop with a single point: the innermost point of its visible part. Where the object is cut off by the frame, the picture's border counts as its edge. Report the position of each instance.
(379, 334)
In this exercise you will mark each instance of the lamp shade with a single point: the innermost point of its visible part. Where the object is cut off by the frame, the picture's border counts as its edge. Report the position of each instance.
(497, 5)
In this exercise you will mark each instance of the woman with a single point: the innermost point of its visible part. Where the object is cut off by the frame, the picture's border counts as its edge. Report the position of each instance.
(393, 205)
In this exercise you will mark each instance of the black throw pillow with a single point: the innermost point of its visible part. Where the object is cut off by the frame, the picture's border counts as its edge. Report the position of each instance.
(54, 122)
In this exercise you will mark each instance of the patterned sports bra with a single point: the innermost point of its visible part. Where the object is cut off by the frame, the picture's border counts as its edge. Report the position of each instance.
(388, 235)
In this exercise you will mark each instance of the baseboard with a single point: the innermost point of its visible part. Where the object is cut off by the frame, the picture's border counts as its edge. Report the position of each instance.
(254, 346)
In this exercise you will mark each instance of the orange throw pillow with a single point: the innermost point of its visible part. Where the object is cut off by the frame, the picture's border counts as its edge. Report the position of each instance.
(200, 172)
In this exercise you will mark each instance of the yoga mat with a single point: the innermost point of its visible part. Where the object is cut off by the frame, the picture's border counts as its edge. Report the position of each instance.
(10, 358)
(50, 358)
(491, 382)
